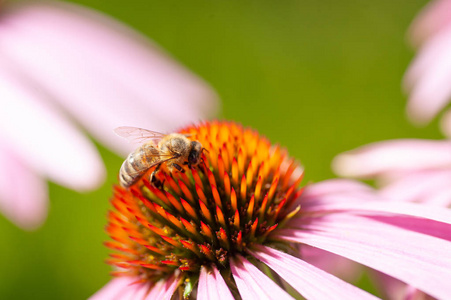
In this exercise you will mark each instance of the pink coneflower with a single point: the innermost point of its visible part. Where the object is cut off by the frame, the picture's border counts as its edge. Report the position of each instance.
(234, 227)
(61, 63)
(427, 80)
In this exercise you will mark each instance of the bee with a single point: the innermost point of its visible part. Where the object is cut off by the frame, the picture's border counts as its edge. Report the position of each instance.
(173, 150)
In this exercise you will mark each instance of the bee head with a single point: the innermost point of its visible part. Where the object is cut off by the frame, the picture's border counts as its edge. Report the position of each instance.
(194, 154)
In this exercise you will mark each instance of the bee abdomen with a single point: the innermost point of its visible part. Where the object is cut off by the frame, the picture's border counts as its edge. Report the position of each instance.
(132, 169)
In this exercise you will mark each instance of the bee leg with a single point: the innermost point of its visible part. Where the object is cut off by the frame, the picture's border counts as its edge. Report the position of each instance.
(153, 178)
(180, 169)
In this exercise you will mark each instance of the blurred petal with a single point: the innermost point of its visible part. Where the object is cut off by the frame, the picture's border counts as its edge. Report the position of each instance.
(212, 286)
(26, 207)
(445, 123)
(417, 259)
(418, 186)
(309, 281)
(427, 79)
(103, 73)
(335, 186)
(393, 156)
(431, 20)
(43, 138)
(253, 284)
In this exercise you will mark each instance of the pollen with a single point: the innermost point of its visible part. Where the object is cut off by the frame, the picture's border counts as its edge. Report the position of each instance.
(243, 189)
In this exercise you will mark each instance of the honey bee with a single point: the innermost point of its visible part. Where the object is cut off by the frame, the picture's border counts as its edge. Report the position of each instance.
(172, 149)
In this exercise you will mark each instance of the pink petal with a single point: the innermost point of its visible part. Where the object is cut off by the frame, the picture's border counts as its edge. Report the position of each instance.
(122, 288)
(164, 289)
(428, 77)
(212, 286)
(340, 203)
(417, 259)
(335, 186)
(309, 281)
(23, 195)
(418, 186)
(103, 73)
(431, 20)
(253, 284)
(42, 137)
(393, 156)
(336, 265)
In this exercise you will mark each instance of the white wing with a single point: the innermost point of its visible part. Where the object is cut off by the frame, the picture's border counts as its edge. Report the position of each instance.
(138, 135)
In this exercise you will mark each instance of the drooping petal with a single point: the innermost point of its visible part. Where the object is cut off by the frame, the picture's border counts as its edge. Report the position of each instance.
(121, 288)
(309, 281)
(164, 289)
(103, 73)
(212, 286)
(42, 137)
(393, 156)
(417, 259)
(26, 207)
(253, 284)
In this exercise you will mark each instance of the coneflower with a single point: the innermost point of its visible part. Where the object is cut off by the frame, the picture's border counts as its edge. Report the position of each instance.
(232, 228)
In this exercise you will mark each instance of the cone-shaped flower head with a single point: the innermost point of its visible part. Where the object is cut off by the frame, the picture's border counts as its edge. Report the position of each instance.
(205, 215)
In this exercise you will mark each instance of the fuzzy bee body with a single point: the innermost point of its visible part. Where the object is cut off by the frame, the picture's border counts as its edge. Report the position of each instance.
(174, 150)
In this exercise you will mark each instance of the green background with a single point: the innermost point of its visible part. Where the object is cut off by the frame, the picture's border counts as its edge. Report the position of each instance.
(318, 77)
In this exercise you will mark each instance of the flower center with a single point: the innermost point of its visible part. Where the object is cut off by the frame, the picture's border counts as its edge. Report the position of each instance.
(241, 191)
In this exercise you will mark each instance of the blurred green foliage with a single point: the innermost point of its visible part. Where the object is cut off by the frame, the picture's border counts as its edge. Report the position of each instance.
(318, 77)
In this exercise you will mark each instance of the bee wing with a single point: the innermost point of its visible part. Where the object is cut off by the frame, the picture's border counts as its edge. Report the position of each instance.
(162, 158)
(138, 135)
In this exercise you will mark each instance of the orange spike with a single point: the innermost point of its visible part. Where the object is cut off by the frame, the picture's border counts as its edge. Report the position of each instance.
(233, 200)
(221, 167)
(186, 191)
(222, 236)
(156, 229)
(201, 194)
(234, 172)
(170, 262)
(205, 212)
(155, 267)
(160, 195)
(215, 193)
(189, 209)
(185, 178)
(258, 188)
(173, 184)
(236, 219)
(273, 187)
(155, 249)
(263, 207)
(253, 229)
(207, 251)
(250, 208)
(279, 207)
(174, 221)
(227, 184)
(220, 216)
(239, 241)
(189, 227)
(225, 156)
(191, 246)
(170, 241)
(196, 177)
(249, 174)
(241, 161)
(243, 189)
(175, 203)
(211, 178)
(206, 230)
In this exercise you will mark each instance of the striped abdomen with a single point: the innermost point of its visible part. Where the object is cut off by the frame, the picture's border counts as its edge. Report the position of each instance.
(137, 164)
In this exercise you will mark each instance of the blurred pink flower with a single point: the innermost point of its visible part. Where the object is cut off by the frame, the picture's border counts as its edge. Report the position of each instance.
(202, 229)
(428, 78)
(62, 66)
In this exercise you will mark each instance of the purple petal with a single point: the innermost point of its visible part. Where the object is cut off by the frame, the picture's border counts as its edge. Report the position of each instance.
(103, 73)
(417, 259)
(309, 281)
(122, 288)
(23, 195)
(253, 284)
(393, 156)
(212, 286)
(43, 138)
